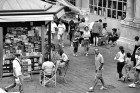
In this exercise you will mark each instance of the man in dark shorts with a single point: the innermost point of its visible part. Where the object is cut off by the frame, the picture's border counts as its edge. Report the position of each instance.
(96, 31)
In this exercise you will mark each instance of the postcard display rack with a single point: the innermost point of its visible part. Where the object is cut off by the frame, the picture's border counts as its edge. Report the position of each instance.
(22, 41)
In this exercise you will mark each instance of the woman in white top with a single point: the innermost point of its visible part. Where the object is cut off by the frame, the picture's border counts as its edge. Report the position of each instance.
(53, 29)
(120, 57)
(86, 41)
(61, 30)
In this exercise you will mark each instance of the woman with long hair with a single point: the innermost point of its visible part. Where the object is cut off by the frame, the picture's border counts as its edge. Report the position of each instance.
(120, 57)
(71, 30)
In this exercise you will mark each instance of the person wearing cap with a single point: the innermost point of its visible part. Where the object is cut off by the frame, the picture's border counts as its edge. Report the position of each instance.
(137, 69)
(17, 74)
(99, 63)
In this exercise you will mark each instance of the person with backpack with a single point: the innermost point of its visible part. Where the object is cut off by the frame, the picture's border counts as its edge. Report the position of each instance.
(17, 74)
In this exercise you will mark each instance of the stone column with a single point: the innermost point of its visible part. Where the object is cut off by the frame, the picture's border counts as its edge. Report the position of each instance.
(130, 11)
(1, 52)
(137, 12)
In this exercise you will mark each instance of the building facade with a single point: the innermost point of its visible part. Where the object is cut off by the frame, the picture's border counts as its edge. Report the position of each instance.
(121, 14)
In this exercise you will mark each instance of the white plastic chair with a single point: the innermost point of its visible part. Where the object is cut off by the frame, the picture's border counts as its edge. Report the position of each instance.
(49, 77)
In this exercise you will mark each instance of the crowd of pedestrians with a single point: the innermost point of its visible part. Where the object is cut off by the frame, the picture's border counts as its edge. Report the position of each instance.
(83, 35)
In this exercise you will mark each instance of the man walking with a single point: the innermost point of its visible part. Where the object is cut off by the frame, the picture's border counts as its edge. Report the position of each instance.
(99, 62)
(17, 74)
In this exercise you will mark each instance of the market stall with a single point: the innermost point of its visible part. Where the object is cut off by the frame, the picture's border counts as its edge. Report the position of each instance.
(21, 21)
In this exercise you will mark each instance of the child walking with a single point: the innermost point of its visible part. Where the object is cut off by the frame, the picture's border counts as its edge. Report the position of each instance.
(76, 38)
(128, 66)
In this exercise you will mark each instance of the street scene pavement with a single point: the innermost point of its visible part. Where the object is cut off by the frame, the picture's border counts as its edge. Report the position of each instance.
(80, 75)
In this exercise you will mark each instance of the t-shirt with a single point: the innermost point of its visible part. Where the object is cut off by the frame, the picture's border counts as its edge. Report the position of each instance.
(138, 63)
(128, 61)
(17, 67)
(98, 60)
(120, 57)
(64, 57)
(61, 29)
(53, 27)
(48, 67)
(86, 34)
(90, 26)
(97, 28)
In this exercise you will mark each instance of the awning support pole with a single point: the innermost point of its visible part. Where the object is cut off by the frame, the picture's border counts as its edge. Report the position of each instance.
(1, 52)
(42, 40)
(49, 40)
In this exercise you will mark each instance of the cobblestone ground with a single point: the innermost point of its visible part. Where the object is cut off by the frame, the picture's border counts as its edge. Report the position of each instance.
(81, 74)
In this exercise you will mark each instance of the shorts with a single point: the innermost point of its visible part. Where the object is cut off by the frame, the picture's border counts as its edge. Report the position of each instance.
(138, 70)
(86, 42)
(99, 74)
(60, 36)
(96, 35)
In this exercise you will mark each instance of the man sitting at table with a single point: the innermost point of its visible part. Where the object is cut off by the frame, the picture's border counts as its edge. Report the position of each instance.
(47, 67)
(62, 62)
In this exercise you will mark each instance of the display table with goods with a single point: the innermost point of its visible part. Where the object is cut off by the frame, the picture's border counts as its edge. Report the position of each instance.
(24, 42)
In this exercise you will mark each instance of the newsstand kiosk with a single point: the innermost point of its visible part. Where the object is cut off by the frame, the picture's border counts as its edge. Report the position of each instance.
(27, 13)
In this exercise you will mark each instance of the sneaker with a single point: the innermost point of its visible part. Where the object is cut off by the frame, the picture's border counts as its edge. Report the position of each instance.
(91, 89)
(86, 54)
(137, 82)
(119, 79)
(132, 85)
(80, 45)
(63, 46)
(103, 88)
(74, 55)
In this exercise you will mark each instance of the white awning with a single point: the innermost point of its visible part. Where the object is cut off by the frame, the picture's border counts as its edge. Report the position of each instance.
(60, 14)
(23, 18)
(68, 4)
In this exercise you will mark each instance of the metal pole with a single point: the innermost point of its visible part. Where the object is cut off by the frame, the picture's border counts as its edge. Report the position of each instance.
(49, 40)
(1, 52)
(42, 40)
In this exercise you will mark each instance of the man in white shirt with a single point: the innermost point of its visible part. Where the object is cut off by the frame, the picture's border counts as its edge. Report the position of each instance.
(48, 67)
(53, 29)
(60, 34)
(17, 74)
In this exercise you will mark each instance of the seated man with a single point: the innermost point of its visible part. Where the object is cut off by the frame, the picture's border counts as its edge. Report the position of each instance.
(47, 66)
(62, 62)
(114, 37)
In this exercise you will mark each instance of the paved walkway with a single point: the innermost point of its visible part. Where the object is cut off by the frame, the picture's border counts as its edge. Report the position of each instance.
(80, 75)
